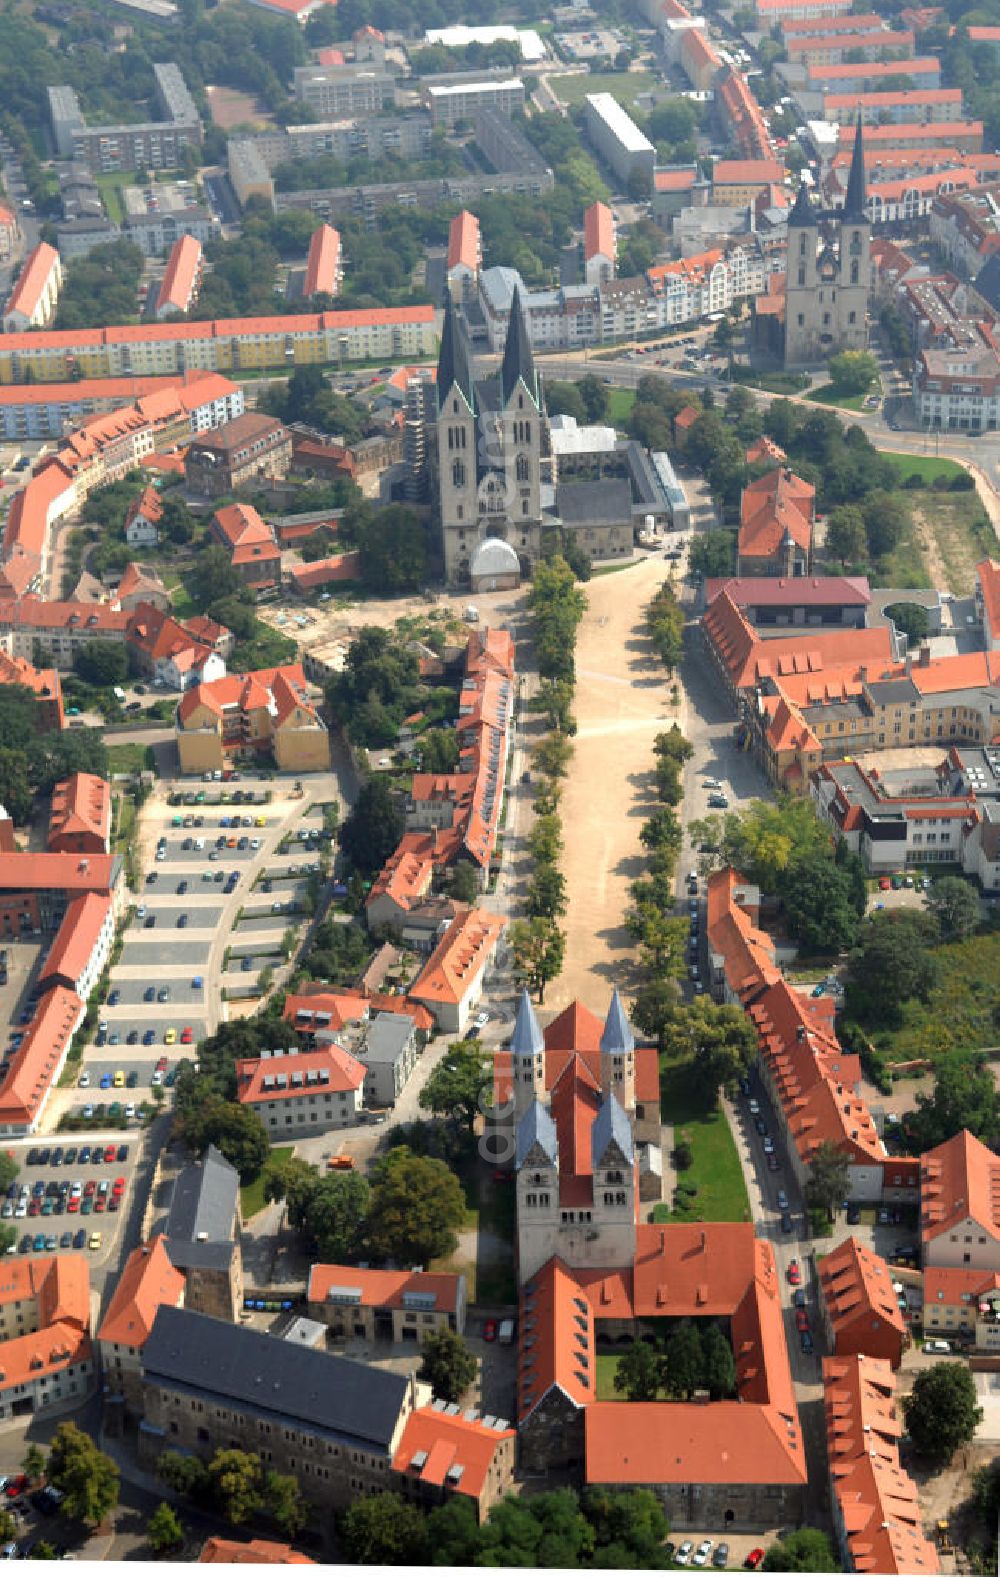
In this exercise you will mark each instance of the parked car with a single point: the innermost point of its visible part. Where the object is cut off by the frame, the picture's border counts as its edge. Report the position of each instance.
(943, 1349)
(489, 1331)
(786, 1222)
(721, 1557)
(801, 1320)
(754, 1559)
(701, 1554)
(794, 1273)
(684, 1554)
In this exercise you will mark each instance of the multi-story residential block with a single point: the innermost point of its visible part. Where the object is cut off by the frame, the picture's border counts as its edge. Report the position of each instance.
(389, 1054)
(960, 1205)
(741, 116)
(237, 454)
(863, 26)
(324, 265)
(738, 182)
(80, 818)
(32, 302)
(299, 1093)
(465, 256)
(770, 12)
(202, 1227)
(179, 288)
(174, 655)
(966, 227)
(231, 345)
(868, 40)
(932, 104)
(861, 1312)
(444, 1452)
(44, 684)
(148, 1282)
(47, 1358)
(618, 139)
(450, 102)
(958, 389)
(269, 714)
(10, 233)
(335, 91)
(599, 244)
(961, 1305)
(334, 1424)
(386, 1305)
(877, 1515)
(872, 76)
(142, 146)
(965, 135)
(450, 984)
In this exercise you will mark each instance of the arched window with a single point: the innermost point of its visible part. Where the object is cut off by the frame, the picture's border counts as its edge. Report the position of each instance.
(523, 469)
(854, 271)
(458, 474)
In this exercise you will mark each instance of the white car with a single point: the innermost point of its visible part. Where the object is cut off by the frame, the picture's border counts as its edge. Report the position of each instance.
(684, 1554)
(702, 1553)
(22, 1210)
(157, 1077)
(481, 1020)
(937, 1347)
(83, 1082)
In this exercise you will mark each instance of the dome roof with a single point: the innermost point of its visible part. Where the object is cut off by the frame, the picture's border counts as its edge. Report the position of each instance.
(494, 556)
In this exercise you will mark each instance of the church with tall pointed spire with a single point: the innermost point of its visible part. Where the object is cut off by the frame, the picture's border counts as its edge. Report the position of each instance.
(577, 1106)
(488, 453)
(828, 276)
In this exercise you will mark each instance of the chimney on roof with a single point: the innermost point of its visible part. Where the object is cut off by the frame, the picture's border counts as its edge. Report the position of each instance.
(924, 657)
(863, 674)
(704, 1241)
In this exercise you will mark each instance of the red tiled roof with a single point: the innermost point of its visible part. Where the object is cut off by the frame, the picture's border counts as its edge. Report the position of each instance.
(80, 804)
(323, 263)
(33, 278)
(46, 1041)
(562, 1334)
(459, 957)
(857, 1291)
(446, 1444)
(674, 180)
(255, 1552)
(774, 505)
(598, 232)
(147, 1282)
(386, 1289)
(747, 172)
(464, 244)
(77, 937)
(180, 280)
(988, 575)
(326, 572)
(959, 1181)
(326, 1069)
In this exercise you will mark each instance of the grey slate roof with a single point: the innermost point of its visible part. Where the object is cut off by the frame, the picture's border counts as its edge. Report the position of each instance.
(249, 1370)
(536, 1127)
(388, 1036)
(527, 1039)
(185, 1255)
(203, 1204)
(610, 1126)
(594, 503)
(893, 692)
(617, 1033)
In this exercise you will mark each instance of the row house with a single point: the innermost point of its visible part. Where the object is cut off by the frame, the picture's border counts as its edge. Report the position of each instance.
(47, 1358)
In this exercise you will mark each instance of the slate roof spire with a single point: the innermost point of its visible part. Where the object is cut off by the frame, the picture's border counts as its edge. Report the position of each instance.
(453, 358)
(854, 203)
(617, 1034)
(527, 1039)
(518, 362)
(802, 213)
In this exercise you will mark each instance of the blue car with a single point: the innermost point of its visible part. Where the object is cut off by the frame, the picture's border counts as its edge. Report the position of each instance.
(105, 1081)
(84, 1155)
(88, 1110)
(114, 998)
(39, 1244)
(80, 1241)
(149, 1037)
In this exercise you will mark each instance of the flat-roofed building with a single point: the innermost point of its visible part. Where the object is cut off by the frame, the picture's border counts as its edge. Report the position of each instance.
(332, 91)
(617, 138)
(449, 102)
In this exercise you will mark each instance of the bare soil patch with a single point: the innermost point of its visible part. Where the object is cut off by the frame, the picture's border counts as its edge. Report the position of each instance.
(230, 108)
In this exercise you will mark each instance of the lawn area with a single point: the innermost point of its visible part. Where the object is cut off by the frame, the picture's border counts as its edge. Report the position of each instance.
(959, 1014)
(927, 466)
(906, 565)
(620, 403)
(607, 1368)
(181, 603)
(110, 187)
(252, 1194)
(715, 1170)
(829, 394)
(127, 758)
(488, 1234)
(625, 86)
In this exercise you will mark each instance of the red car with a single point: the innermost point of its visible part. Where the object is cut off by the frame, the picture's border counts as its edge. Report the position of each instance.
(119, 1185)
(186, 1035)
(90, 1186)
(794, 1273)
(753, 1560)
(490, 1331)
(17, 1486)
(99, 1204)
(111, 1153)
(161, 1065)
(73, 1205)
(801, 1320)
(884, 884)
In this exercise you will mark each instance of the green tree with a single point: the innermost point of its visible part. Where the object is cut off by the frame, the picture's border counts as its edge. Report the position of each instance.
(212, 577)
(438, 750)
(187, 1475)
(639, 1375)
(42, 1551)
(665, 624)
(393, 547)
(236, 1131)
(102, 663)
(557, 608)
(329, 1211)
(846, 537)
(447, 1364)
(713, 554)
(911, 619)
(853, 371)
(718, 1365)
(942, 1411)
(563, 398)
(455, 1088)
(954, 904)
(9, 1529)
(88, 1479)
(283, 1499)
(654, 1009)
(537, 948)
(594, 395)
(802, 1550)
(547, 892)
(887, 521)
(33, 1461)
(820, 904)
(829, 1178)
(416, 1204)
(719, 1038)
(893, 945)
(373, 828)
(463, 883)
(548, 1530)
(383, 1530)
(552, 755)
(683, 1360)
(164, 1529)
(237, 1484)
(964, 1097)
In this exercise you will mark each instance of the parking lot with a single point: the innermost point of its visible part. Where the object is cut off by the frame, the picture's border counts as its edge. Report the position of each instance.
(209, 914)
(72, 1194)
